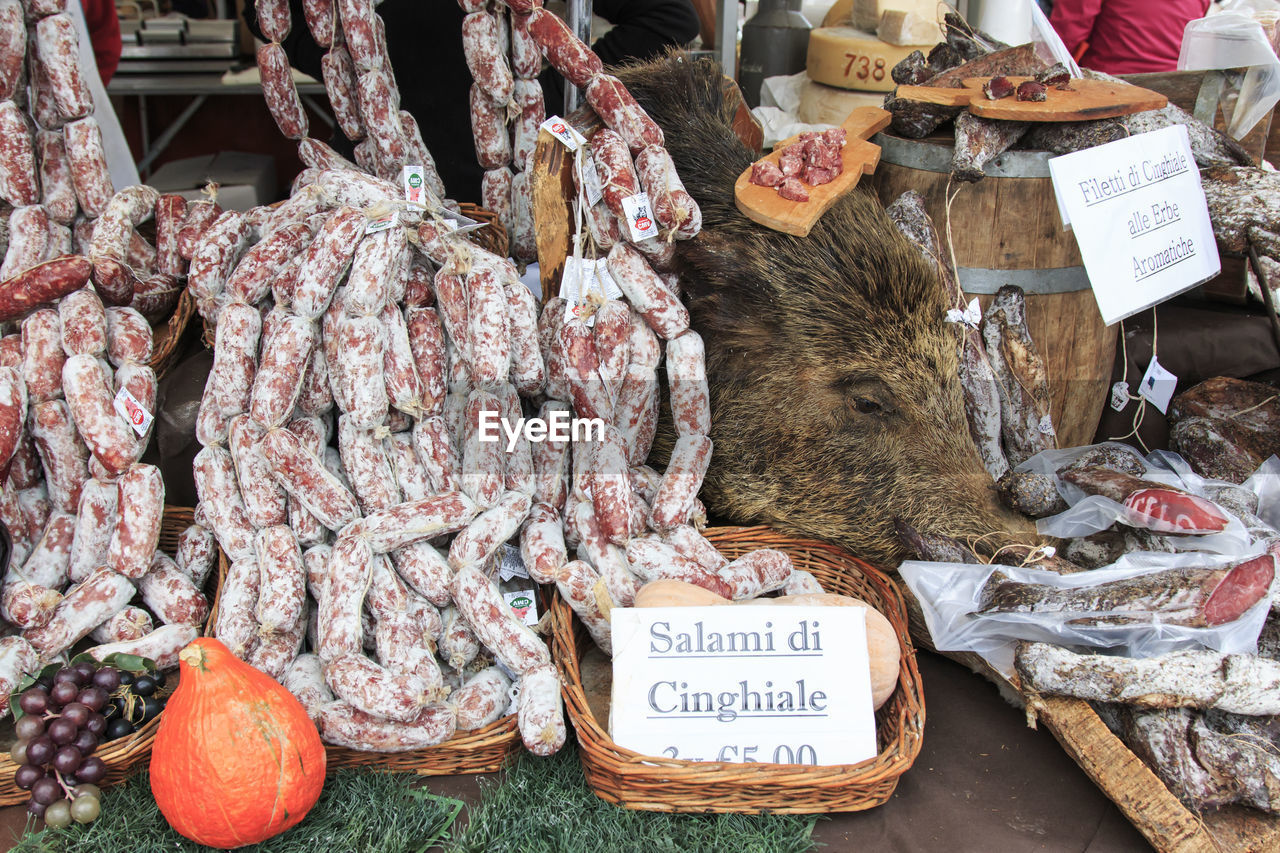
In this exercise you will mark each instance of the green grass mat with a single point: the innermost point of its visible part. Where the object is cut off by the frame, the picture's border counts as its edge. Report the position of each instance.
(364, 812)
(543, 805)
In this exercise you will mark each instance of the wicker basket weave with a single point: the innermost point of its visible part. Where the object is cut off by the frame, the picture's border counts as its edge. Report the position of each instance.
(125, 754)
(484, 750)
(166, 337)
(649, 783)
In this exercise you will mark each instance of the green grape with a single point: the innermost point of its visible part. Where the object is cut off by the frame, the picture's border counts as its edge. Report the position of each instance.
(58, 814)
(85, 789)
(85, 809)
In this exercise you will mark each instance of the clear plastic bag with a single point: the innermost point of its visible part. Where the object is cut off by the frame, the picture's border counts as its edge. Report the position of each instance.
(949, 595)
(1235, 40)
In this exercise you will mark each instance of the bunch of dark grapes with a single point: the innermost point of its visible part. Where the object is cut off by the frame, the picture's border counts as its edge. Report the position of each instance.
(65, 719)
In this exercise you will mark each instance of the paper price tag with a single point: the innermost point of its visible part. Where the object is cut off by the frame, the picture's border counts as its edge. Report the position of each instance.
(1120, 396)
(1158, 386)
(591, 178)
(128, 407)
(510, 564)
(639, 215)
(381, 223)
(585, 282)
(562, 130)
(970, 316)
(523, 604)
(414, 187)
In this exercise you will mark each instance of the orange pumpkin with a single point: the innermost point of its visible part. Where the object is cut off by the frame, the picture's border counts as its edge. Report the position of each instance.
(236, 759)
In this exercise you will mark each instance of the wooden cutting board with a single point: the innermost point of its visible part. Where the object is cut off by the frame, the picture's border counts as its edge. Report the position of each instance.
(1087, 99)
(765, 206)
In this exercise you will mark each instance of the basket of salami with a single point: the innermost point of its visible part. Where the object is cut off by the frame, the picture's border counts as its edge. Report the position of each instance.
(129, 706)
(651, 783)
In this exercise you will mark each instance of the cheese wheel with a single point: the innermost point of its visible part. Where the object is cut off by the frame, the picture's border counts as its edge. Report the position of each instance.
(821, 104)
(865, 14)
(852, 59)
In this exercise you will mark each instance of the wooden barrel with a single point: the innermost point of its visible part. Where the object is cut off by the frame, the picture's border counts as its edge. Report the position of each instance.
(1005, 229)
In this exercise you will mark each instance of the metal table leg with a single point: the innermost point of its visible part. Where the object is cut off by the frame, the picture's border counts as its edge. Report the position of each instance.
(167, 135)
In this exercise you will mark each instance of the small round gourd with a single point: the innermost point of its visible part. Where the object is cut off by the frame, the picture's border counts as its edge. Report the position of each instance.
(236, 759)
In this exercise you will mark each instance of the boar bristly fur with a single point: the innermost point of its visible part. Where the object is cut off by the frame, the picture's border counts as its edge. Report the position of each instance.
(836, 406)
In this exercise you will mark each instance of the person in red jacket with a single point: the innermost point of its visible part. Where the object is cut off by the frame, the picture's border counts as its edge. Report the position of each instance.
(104, 33)
(1125, 36)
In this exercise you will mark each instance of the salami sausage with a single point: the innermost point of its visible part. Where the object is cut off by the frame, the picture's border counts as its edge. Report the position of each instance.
(84, 323)
(673, 207)
(617, 174)
(413, 521)
(540, 712)
(482, 700)
(215, 481)
(495, 194)
(528, 371)
(89, 173)
(41, 285)
(362, 344)
(17, 158)
(619, 110)
(304, 678)
(607, 559)
(651, 559)
(489, 129)
(611, 487)
(274, 19)
(410, 475)
(264, 500)
(526, 57)
(280, 92)
(42, 355)
(436, 453)
(197, 552)
(216, 253)
(380, 112)
(282, 579)
(326, 260)
(589, 395)
(128, 336)
(48, 562)
(482, 538)
(201, 214)
(564, 50)
(577, 583)
(636, 415)
(423, 568)
(305, 477)
(366, 466)
(426, 342)
(140, 505)
(13, 413)
(26, 604)
(96, 519)
(321, 22)
(131, 623)
(379, 258)
(680, 482)
(549, 325)
(755, 573)
(58, 47)
(342, 724)
(418, 155)
(62, 453)
(161, 645)
(528, 97)
(687, 377)
(357, 17)
(646, 292)
(542, 547)
(523, 239)
(342, 598)
(13, 49)
(692, 544)
(56, 191)
(89, 397)
(486, 57)
(85, 607)
(28, 240)
(551, 460)
(253, 276)
(458, 644)
(510, 641)
(285, 355)
(487, 327)
(612, 336)
(403, 387)
(171, 595)
(235, 358)
(235, 626)
(482, 456)
(171, 213)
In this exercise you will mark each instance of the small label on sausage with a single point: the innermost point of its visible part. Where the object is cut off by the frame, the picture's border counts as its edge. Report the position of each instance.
(414, 187)
(591, 179)
(640, 221)
(523, 604)
(381, 222)
(510, 565)
(1158, 385)
(128, 407)
(1119, 396)
(585, 285)
(562, 130)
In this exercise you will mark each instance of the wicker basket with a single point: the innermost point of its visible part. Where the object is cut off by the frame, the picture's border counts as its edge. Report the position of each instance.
(635, 781)
(166, 338)
(484, 750)
(124, 755)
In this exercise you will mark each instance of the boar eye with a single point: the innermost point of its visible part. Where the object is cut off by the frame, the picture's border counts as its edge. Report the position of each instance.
(865, 406)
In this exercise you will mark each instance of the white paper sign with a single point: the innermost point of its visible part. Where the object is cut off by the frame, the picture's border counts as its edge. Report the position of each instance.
(785, 685)
(128, 407)
(562, 130)
(414, 182)
(585, 281)
(1139, 216)
(1158, 385)
(524, 604)
(640, 220)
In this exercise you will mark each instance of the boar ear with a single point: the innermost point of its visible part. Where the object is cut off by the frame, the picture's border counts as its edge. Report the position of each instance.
(722, 294)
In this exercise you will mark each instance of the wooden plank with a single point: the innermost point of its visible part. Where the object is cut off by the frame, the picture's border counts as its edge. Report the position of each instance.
(765, 206)
(1085, 100)
(552, 189)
